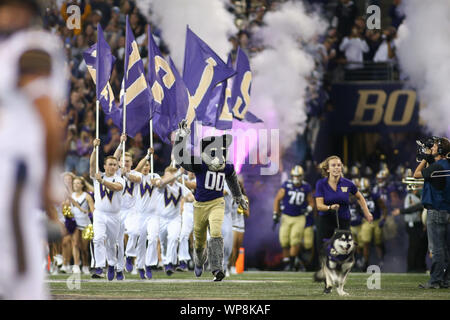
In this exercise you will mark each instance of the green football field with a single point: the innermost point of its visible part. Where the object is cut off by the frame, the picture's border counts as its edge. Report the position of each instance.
(250, 285)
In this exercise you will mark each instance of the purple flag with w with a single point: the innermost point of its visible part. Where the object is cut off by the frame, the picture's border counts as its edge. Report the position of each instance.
(240, 91)
(169, 92)
(203, 70)
(135, 91)
(99, 61)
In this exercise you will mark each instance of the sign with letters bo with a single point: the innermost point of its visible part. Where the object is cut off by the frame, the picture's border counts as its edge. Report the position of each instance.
(374, 107)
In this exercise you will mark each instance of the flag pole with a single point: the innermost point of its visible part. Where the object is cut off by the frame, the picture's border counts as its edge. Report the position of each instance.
(97, 134)
(125, 78)
(124, 123)
(151, 146)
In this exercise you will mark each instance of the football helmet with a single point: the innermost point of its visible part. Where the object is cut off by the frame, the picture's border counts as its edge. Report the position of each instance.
(400, 171)
(382, 177)
(354, 172)
(364, 186)
(297, 175)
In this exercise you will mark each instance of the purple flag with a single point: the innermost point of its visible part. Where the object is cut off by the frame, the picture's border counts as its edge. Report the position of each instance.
(169, 92)
(221, 96)
(135, 90)
(203, 70)
(240, 91)
(99, 61)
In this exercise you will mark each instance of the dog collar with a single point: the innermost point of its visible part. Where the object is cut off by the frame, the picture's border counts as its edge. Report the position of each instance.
(336, 257)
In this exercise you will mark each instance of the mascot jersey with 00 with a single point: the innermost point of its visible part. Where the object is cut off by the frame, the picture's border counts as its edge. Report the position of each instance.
(210, 184)
(294, 202)
(211, 169)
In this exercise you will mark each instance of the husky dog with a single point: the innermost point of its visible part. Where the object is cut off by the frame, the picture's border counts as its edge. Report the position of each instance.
(337, 258)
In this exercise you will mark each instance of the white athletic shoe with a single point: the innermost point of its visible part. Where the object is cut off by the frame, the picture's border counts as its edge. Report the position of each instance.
(65, 269)
(76, 269)
(85, 270)
(58, 259)
(233, 270)
(134, 271)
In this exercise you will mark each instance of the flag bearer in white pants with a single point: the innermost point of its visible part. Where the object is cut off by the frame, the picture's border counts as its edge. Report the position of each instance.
(108, 188)
(129, 216)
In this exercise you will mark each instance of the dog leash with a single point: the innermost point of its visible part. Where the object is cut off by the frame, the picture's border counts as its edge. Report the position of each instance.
(337, 219)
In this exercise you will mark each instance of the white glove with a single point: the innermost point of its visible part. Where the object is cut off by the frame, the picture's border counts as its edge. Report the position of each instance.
(241, 201)
(183, 129)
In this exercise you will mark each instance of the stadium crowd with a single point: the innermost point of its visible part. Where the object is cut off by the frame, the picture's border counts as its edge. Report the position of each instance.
(347, 45)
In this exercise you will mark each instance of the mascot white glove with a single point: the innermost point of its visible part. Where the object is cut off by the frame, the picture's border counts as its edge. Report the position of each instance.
(241, 201)
(183, 129)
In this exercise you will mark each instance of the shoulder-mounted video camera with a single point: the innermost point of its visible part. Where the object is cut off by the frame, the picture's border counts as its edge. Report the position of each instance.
(423, 146)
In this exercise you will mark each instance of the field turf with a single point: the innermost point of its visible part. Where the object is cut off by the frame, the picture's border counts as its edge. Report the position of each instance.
(250, 285)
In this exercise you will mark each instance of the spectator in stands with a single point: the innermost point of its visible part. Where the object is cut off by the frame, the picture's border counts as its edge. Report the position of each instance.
(137, 25)
(102, 9)
(360, 23)
(373, 39)
(353, 47)
(397, 13)
(96, 17)
(113, 142)
(243, 38)
(70, 146)
(330, 54)
(344, 17)
(386, 50)
(90, 34)
(84, 149)
(85, 9)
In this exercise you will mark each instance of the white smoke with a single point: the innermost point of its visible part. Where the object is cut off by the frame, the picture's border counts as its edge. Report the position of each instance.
(423, 50)
(208, 19)
(280, 71)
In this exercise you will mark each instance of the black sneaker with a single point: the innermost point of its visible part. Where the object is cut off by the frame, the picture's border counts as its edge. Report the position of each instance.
(218, 275)
(98, 273)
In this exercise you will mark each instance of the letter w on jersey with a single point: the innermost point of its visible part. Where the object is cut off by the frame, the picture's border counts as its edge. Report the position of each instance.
(169, 197)
(105, 192)
(145, 187)
(129, 187)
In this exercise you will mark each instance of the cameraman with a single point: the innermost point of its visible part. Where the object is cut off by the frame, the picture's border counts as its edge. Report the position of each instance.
(436, 199)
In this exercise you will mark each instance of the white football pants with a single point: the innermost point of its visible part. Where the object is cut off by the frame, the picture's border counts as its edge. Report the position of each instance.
(169, 234)
(106, 232)
(187, 226)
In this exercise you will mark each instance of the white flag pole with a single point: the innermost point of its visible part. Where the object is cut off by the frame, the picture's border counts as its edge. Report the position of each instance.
(151, 146)
(97, 134)
(124, 123)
